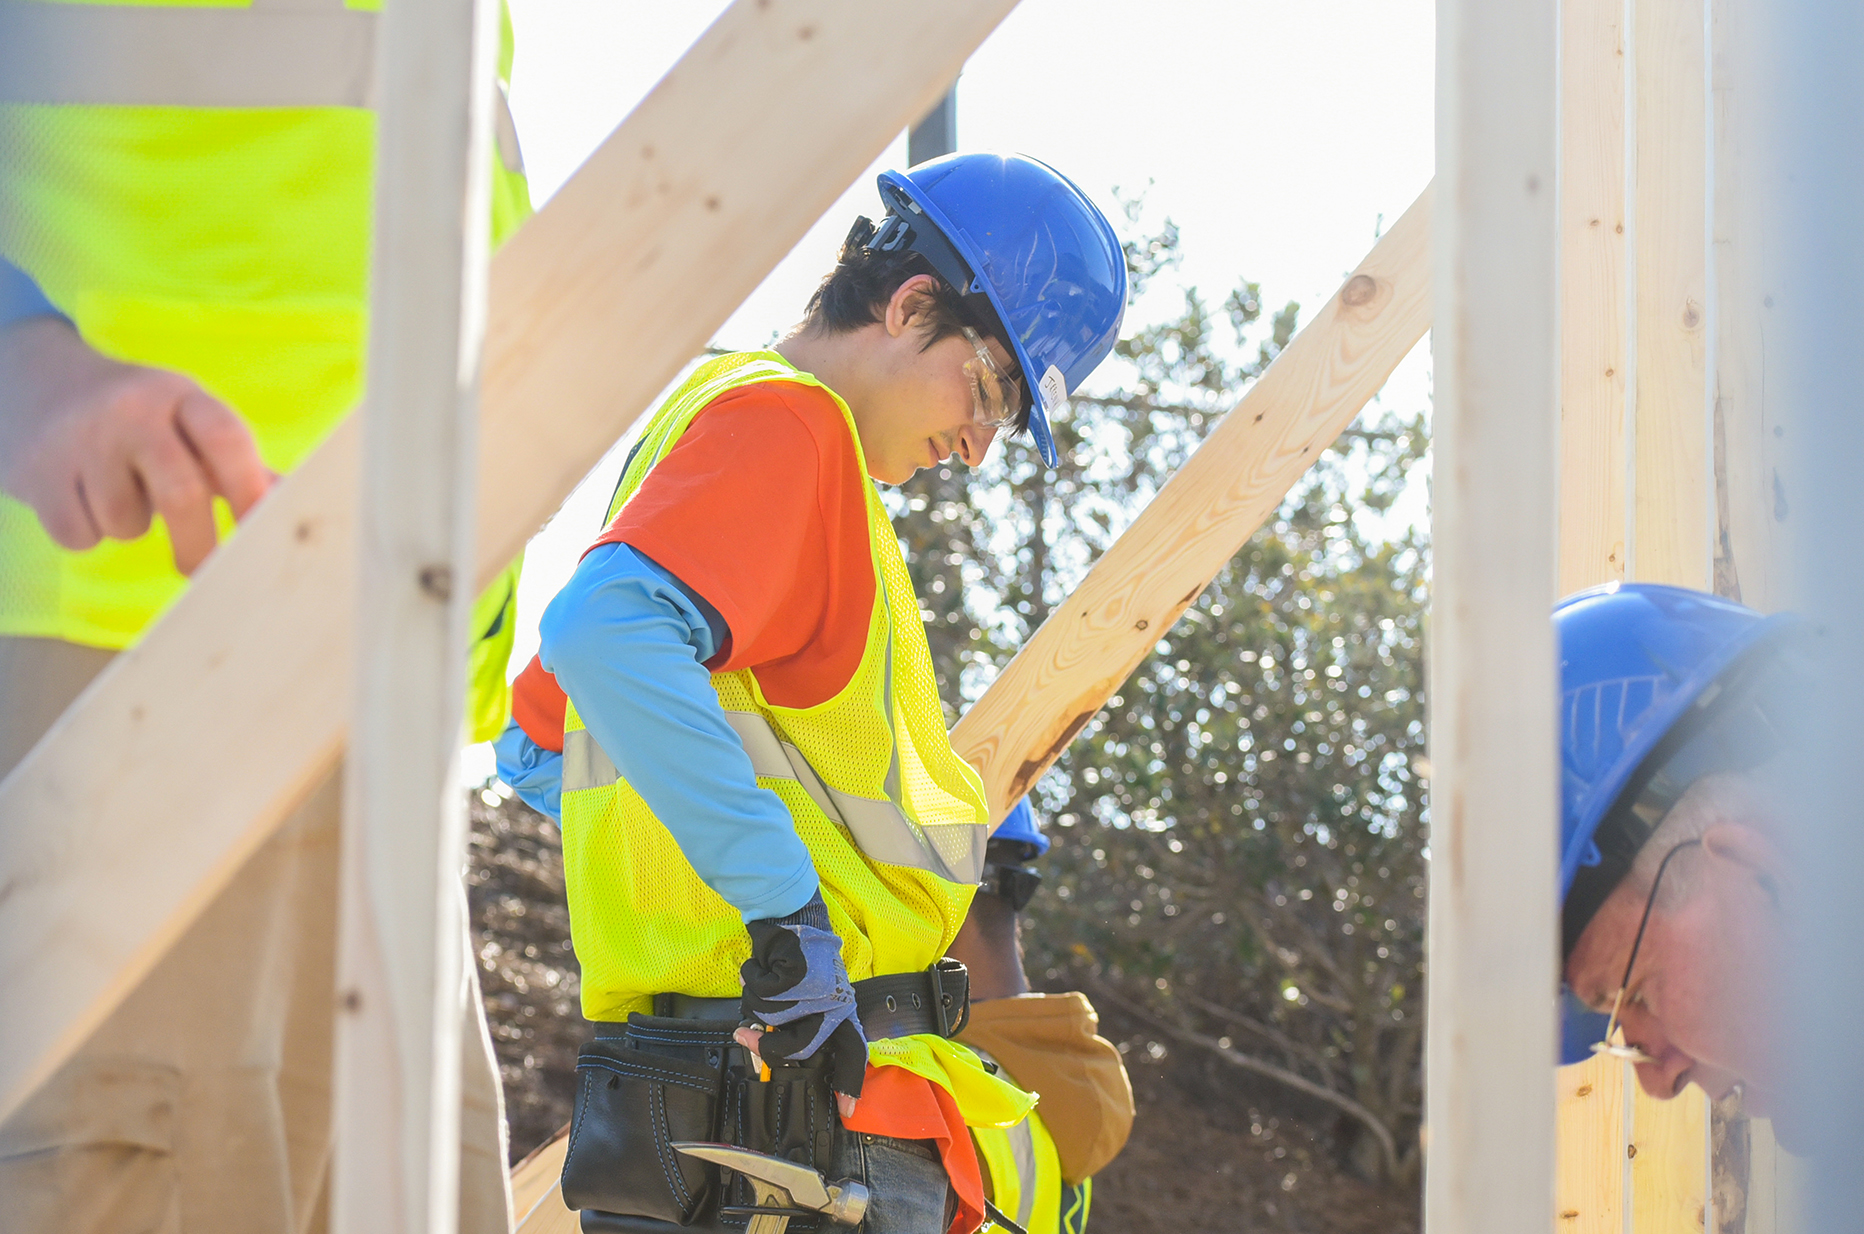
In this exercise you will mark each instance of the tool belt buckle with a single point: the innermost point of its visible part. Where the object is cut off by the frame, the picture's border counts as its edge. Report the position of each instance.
(943, 998)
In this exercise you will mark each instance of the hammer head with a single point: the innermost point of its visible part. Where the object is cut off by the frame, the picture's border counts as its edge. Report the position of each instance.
(844, 1202)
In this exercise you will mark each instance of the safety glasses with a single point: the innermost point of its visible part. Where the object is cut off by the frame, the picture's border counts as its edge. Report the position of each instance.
(1631, 1053)
(996, 396)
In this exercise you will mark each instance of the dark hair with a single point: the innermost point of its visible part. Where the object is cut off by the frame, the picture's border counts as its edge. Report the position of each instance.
(856, 292)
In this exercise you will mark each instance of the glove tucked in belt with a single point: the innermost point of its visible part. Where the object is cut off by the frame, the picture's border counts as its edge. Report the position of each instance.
(796, 988)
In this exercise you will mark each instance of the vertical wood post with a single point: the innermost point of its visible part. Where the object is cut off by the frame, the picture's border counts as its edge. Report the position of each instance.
(1594, 348)
(1673, 497)
(401, 959)
(1752, 433)
(1489, 1100)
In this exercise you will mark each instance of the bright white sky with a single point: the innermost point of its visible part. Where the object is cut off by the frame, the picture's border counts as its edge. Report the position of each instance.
(1277, 134)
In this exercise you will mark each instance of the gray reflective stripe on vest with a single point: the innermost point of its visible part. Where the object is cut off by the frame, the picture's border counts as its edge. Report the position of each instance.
(584, 763)
(277, 53)
(880, 828)
(1023, 1150)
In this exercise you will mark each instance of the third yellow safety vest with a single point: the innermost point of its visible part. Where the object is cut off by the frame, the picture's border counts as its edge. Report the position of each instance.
(192, 184)
(894, 820)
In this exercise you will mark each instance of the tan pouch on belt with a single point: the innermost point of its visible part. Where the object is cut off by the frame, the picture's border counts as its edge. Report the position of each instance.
(1047, 1044)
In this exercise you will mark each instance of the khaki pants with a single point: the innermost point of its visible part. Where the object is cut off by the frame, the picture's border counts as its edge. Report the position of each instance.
(204, 1102)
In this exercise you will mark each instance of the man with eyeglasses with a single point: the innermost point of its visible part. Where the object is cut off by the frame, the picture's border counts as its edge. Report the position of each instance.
(1672, 864)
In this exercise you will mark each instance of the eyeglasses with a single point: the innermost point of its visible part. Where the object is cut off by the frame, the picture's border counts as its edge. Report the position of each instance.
(997, 397)
(1631, 1053)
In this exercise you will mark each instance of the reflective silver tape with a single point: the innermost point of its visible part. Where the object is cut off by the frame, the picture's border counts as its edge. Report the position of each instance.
(585, 765)
(880, 828)
(278, 53)
(1023, 1149)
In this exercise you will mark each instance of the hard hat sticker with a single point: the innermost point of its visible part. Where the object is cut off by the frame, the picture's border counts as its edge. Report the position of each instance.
(1054, 391)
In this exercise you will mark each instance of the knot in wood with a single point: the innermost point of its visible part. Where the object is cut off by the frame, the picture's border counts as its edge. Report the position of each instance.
(1141, 624)
(1359, 290)
(437, 582)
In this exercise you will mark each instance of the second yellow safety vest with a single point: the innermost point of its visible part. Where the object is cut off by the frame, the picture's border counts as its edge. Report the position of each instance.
(894, 820)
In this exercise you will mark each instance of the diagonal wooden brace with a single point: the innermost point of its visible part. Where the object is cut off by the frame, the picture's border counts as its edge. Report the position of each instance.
(180, 760)
(1204, 514)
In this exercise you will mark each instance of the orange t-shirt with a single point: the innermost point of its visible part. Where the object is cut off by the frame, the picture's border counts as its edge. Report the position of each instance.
(761, 508)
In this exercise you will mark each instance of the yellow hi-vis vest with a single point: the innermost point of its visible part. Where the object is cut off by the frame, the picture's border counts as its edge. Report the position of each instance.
(1022, 1176)
(192, 184)
(894, 820)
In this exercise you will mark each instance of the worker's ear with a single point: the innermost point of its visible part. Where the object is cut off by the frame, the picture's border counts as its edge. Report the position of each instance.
(910, 304)
(1748, 853)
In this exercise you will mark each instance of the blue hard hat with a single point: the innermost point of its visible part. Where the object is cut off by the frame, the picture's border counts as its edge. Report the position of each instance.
(1032, 244)
(1019, 826)
(1643, 669)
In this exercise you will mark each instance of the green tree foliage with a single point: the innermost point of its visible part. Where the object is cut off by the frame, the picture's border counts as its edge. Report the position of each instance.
(1240, 834)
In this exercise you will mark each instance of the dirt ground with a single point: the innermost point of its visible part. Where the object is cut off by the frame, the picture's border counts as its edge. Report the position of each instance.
(1212, 1152)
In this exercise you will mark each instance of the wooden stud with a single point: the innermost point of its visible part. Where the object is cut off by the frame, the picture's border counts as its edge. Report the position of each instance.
(1202, 516)
(1589, 1184)
(231, 704)
(1672, 493)
(536, 1190)
(400, 938)
(1668, 1148)
(1594, 531)
(1751, 434)
(1489, 1091)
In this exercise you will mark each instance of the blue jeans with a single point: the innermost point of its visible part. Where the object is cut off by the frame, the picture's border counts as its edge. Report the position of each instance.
(908, 1190)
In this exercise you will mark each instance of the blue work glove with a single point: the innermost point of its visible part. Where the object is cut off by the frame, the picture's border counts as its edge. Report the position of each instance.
(795, 985)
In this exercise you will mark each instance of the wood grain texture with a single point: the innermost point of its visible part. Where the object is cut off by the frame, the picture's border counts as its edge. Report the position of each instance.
(536, 1200)
(1589, 1176)
(1670, 1165)
(1752, 434)
(1593, 335)
(1673, 499)
(396, 1160)
(1206, 512)
(236, 703)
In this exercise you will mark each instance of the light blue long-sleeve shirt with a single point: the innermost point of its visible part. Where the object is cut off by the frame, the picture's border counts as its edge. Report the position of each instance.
(628, 642)
(20, 297)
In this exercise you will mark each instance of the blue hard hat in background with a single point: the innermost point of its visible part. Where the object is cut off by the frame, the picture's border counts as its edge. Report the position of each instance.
(1035, 248)
(1636, 660)
(1019, 827)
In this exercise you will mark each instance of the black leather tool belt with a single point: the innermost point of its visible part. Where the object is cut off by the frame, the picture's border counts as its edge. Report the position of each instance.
(677, 1075)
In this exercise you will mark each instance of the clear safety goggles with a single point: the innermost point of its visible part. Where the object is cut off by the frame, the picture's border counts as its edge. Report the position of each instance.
(997, 397)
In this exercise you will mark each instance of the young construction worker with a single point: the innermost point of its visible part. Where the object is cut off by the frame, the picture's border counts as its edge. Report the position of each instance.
(1673, 873)
(762, 813)
(1039, 1172)
(184, 258)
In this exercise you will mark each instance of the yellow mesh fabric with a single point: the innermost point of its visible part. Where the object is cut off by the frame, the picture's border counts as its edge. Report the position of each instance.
(642, 920)
(231, 244)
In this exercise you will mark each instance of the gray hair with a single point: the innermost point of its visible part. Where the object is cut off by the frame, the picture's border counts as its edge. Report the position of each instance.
(1739, 798)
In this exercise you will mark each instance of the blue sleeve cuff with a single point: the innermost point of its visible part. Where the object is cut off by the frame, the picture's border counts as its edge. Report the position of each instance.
(534, 773)
(628, 642)
(20, 297)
